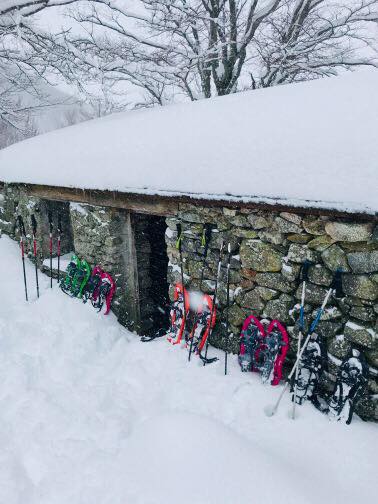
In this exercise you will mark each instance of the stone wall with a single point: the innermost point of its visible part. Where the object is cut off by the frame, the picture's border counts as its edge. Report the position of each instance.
(268, 249)
(100, 236)
(14, 201)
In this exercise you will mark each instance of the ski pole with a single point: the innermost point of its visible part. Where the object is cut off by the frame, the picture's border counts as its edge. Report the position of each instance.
(179, 246)
(51, 246)
(227, 307)
(335, 286)
(21, 228)
(59, 237)
(205, 359)
(304, 277)
(34, 228)
(206, 237)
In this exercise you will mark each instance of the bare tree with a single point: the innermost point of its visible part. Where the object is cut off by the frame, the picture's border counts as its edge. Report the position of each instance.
(25, 55)
(213, 47)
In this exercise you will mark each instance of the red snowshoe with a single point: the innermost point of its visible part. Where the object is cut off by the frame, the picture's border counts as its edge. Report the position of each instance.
(178, 314)
(204, 321)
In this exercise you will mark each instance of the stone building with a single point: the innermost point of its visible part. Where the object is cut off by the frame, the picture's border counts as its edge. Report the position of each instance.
(122, 214)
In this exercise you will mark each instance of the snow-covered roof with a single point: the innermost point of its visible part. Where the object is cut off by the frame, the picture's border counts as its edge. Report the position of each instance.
(311, 144)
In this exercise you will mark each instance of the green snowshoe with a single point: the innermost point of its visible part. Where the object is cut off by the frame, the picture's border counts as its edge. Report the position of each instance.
(72, 268)
(80, 279)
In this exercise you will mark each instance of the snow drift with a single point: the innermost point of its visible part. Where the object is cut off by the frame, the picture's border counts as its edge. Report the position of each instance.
(311, 144)
(89, 414)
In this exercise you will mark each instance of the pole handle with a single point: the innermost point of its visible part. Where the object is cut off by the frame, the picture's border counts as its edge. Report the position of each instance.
(34, 224)
(59, 223)
(50, 221)
(21, 225)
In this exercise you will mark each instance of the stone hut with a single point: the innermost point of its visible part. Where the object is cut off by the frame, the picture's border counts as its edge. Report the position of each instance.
(281, 186)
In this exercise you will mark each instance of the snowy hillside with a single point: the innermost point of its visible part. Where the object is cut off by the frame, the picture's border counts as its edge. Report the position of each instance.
(92, 415)
(308, 144)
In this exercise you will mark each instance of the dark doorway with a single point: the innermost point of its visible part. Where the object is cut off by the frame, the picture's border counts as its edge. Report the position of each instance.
(152, 265)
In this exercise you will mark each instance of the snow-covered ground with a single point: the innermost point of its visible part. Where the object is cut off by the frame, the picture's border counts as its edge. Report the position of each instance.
(90, 415)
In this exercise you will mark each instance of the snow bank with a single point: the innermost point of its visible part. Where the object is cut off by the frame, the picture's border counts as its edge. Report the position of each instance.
(312, 144)
(91, 415)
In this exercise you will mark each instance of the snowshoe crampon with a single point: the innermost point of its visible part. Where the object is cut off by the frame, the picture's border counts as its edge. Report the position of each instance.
(273, 352)
(178, 314)
(310, 369)
(72, 268)
(351, 382)
(251, 341)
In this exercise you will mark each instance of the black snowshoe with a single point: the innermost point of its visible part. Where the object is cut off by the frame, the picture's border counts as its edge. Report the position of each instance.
(312, 365)
(351, 382)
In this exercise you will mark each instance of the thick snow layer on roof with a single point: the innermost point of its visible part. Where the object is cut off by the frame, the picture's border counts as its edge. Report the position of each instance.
(311, 144)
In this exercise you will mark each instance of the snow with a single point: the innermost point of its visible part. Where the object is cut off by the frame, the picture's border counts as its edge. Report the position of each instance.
(63, 263)
(309, 144)
(89, 414)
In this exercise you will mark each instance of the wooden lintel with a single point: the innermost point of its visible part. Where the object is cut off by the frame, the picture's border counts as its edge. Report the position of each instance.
(165, 205)
(131, 202)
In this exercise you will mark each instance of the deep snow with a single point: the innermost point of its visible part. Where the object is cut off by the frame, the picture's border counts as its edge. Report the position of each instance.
(89, 414)
(311, 144)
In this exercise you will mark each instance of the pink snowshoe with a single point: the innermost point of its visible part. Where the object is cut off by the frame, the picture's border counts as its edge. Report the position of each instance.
(263, 350)
(105, 292)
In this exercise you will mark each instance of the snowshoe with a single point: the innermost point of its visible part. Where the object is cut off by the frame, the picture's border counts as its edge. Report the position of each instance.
(251, 341)
(178, 314)
(81, 277)
(351, 381)
(204, 321)
(273, 352)
(72, 268)
(104, 293)
(92, 286)
(310, 369)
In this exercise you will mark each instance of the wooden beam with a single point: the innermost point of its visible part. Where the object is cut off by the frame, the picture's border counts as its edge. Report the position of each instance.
(169, 205)
(132, 202)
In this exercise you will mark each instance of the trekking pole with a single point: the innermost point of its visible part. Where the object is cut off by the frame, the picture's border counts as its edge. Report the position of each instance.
(34, 228)
(21, 228)
(179, 247)
(335, 286)
(51, 246)
(205, 359)
(59, 237)
(206, 237)
(227, 307)
(303, 275)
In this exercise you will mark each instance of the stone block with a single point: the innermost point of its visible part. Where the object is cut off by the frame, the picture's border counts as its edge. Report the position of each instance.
(360, 286)
(260, 256)
(349, 231)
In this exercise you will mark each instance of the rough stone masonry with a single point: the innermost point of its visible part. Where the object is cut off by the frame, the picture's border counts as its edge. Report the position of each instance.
(268, 250)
